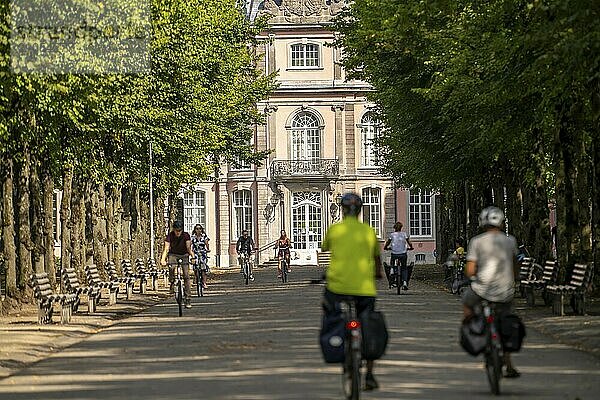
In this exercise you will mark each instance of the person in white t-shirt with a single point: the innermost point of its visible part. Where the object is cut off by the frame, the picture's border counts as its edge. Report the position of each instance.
(399, 243)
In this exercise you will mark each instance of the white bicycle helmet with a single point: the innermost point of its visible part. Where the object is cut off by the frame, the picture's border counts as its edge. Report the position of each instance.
(491, 216)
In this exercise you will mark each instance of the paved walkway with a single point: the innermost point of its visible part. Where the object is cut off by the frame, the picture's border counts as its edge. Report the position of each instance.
(260, 342)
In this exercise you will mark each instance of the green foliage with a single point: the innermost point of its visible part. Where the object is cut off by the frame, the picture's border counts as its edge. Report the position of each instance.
(191, 91)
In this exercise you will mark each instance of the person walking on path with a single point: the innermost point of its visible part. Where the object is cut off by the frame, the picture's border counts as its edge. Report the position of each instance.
(491, 261)
(354, 265)
(178, 245)
(399, 243)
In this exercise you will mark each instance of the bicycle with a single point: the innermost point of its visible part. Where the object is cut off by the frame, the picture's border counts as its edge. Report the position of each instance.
(200, 267)
(351, 376)
(396, 274)
(178, 285)
(493, 353)
(246, 267)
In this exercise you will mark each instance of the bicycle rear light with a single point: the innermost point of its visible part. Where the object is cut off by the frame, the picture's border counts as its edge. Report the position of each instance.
(490, 319)
(352, 324)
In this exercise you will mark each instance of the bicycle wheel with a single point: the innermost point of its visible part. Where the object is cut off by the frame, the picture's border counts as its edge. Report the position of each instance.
(247, 271)
(198, 281)
(283, 271)
(493, 369)
(398, 280)
(179, 297)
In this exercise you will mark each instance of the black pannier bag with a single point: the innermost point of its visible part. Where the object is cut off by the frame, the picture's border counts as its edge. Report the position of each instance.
(374, 335)
(332, 337)
(512, 332)
(472, 335)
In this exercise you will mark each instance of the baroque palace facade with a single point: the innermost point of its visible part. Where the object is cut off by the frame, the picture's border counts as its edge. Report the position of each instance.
(320, 129)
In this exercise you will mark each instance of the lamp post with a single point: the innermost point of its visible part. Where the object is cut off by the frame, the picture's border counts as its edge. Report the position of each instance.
(151, 206)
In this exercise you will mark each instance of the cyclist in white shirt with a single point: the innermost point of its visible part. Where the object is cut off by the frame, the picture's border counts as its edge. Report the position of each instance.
(399, 243)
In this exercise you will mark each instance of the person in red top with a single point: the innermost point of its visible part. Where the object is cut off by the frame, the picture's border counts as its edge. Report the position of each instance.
(178, 245)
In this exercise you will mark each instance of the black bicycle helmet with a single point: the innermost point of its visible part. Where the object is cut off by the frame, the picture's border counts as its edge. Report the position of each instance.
(491, 216)
(178, 225)
(351, 204)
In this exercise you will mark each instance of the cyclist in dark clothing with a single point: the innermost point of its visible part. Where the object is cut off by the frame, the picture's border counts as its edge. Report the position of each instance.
(178, 245)
(244, 248)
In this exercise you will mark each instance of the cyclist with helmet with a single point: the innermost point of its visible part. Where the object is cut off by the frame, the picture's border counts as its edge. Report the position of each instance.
(200, 247)
(178, 245)
(491, 261)
(354, 265)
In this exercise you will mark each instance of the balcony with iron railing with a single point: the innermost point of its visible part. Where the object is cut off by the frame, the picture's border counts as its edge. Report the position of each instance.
(316, 167)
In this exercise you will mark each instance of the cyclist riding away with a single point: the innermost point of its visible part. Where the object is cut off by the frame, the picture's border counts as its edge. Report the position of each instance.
(354, 265)
(244, 246)
(178, 245)
(200, 248)
(283, 246)
(399, 242)
(491, 261)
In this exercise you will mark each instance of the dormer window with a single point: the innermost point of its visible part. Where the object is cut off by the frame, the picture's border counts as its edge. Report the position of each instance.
(305, 55)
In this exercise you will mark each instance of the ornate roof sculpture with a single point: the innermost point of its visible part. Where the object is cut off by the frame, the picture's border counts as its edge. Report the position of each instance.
(300, 11)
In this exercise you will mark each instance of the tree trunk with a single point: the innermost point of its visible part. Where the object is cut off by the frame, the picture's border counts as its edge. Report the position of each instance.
(77, 225)
(110, 223)
(37, 217)
(126, 223)
(9, 249)
(48, 225)
(25, 242)
(160, 227)
(66, 247)
(98, 225)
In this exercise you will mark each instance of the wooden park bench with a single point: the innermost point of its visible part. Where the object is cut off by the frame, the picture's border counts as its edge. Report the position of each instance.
(93, 279)
(129, 272)
(148, 272)
(157, 274)
(549, 277)
(576, 289)
(525, 273)
(111, 270)
(71, 285)
(323, 258)
(45, 298)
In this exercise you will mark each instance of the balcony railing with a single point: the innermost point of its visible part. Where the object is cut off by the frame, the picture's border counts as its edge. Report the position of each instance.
(298, 168)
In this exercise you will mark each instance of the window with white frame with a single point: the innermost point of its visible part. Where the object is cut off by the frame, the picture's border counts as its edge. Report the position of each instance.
(372, 208)
(194, 209)
(370, 129)
(305, 55)
(242, 212)
(420, 212)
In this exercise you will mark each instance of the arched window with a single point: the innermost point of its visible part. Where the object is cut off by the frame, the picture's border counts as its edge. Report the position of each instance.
(305, 55)
(370, 130)
(306, 137)
(242, 212)
(194, 209)
(372, 208)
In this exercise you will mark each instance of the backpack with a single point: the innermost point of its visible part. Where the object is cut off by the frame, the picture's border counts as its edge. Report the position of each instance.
(332, 338)
(472, 335)
(512, 332)
(374, 334)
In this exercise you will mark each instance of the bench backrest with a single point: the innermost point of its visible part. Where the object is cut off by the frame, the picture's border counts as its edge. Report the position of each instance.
(550, 274)
(323, 258)
(41, 285)
(126, 268)
(526, 268)
(111, 270)
(92, 275)
(582, 275)
(140, 266)
(70, 279)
